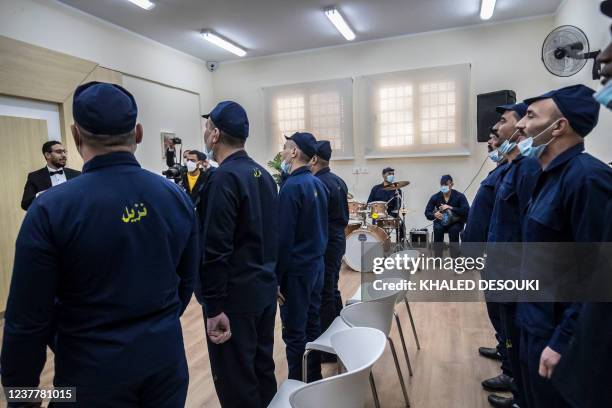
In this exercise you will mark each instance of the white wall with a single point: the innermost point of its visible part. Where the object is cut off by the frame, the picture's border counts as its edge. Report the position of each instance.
(164, 109)
(503, 56)
(585, 14)
(25, 108)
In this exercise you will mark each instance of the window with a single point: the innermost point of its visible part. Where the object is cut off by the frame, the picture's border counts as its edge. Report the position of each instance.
(418, 112)
(290, 114)
(326, 112)
(321, 108)
(395, 126)
(437, 106)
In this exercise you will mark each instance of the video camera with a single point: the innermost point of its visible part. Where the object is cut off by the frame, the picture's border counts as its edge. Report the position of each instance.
(175, 173)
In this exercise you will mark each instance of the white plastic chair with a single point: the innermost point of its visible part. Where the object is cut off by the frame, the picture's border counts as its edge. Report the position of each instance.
(358, 349)
(377, 314)
(370, 293)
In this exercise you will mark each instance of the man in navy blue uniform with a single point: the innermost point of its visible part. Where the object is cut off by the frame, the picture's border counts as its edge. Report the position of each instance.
(477, 228)
(565, 207)
(504, 261)
(239, 241)
(583, 375)
(378, 193)
(108, 260)
(337, 217)
(448, 209)
(302, 243)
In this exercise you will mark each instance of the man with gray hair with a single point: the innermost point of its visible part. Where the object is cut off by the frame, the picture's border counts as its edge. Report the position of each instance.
(111, 258)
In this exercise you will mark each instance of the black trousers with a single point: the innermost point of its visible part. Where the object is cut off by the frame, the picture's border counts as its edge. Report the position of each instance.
(453, 232)
(331, 301)
(512, 335)
(166, 388)
(302, 321)
(243, 367)
(539, 391)
(494, 312)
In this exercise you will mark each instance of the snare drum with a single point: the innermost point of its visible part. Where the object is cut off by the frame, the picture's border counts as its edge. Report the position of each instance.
(387, 223)
(376, 244)
(377, 209)
(352, 226)
(355, 207)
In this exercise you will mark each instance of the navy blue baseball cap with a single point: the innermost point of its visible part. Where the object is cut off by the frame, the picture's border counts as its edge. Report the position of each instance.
(445, 178)
(104, 109)
(324, 149)
(577, 105)
(388, 170)
(519, 108)
(606, 7)
(231, 118)
(306, 142)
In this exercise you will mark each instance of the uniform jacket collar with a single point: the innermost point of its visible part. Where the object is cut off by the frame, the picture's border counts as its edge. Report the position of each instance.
(110, 159)
(565, 157)
(235, 156)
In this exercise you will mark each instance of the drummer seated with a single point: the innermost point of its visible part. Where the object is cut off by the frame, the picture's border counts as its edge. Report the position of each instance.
(448, 209)
(379, 194)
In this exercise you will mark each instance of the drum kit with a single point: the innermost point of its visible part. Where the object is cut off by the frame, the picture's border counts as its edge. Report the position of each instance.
(371, 224)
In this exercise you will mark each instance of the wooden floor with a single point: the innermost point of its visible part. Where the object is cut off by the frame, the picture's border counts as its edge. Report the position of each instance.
(447, 369)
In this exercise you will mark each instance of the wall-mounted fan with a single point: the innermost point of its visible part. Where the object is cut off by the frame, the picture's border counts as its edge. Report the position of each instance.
(566, 51)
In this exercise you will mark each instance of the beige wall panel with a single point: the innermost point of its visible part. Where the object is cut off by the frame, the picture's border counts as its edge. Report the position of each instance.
(33, 72)
(21, 139)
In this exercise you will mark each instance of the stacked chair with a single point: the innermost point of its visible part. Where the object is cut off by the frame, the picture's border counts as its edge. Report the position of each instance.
(357, 348)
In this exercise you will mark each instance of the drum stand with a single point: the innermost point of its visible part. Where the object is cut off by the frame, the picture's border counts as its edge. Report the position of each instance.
(401, 243)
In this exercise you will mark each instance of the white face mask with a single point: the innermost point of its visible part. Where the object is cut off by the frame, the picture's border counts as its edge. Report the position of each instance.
(191, 166)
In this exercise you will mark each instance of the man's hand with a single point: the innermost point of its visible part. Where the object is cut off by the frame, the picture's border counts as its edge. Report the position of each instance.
(548, 361)
(438, 215)
(218, 328)
(279, 295)
(445, 207)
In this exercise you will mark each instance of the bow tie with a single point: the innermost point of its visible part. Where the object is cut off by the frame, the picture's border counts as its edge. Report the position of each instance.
(60, 171)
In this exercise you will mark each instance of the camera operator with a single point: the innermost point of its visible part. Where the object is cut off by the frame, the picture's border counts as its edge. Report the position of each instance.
(171, 155)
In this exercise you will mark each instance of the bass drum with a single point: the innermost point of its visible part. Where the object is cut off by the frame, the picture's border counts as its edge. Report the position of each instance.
(376, 244)
(352, 226)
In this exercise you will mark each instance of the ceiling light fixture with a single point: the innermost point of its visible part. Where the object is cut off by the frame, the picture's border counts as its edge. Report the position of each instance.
(145, 4)
(486, 9)
(340, 23)
(223, 43)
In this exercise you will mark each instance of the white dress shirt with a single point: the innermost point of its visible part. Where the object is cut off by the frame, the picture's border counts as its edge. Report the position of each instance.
(57, 178)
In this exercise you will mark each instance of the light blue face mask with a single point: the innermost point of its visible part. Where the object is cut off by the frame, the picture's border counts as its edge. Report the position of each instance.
(210, 155)
(495, 156)
(604, 95)
(390, 178)
(527, 148)
(285, 167)
(444, 189)
(508, 145)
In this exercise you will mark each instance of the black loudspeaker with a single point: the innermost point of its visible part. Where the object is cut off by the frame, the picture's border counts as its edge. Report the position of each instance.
(487, 116)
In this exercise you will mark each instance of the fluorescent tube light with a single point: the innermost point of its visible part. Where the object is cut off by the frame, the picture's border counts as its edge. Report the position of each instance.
(145, 4)
(486, 9)
(220, 42)
(341, 25)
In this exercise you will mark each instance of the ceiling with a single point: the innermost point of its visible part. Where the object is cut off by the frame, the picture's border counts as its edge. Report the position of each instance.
(266, 27)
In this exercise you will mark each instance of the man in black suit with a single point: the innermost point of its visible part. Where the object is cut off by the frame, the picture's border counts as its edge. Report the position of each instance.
(51, 175)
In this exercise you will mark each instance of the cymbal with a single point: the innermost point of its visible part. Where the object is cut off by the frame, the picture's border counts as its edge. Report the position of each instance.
(349, 196)
(396, 185)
